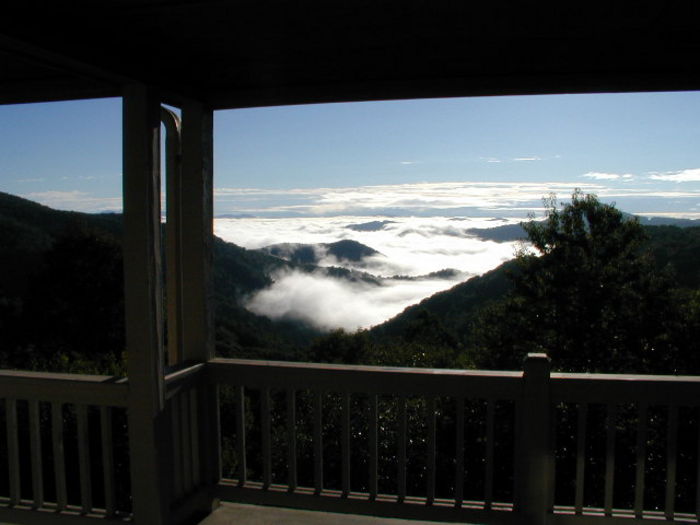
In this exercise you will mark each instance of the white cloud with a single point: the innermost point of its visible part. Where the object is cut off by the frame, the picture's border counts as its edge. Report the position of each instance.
(31, 180)
(687, 175)
(399, 199)
(491, 160)
(526, 159)
(407, 162)
(75, 200)
(608, 176)
(647, 193)
(436, 198)
(409, 245)
(236, 192)
(675, 215)
(331, 303)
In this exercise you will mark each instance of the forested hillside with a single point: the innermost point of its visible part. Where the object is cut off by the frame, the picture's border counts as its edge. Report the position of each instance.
(61, 293)
(674, 250)
(601, 292)
(345, 250)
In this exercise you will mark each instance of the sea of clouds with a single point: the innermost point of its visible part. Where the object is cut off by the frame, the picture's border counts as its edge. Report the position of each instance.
(409, 246)
(419, 228)
(422, 230)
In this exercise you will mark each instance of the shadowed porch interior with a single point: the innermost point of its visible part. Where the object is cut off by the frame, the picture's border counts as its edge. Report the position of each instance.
(202, 56)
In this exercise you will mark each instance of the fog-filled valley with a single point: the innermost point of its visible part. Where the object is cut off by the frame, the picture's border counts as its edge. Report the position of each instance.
(445, 292)
(408, 258)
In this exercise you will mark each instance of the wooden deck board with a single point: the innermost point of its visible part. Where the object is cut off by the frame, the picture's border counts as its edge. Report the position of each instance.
(241, 514)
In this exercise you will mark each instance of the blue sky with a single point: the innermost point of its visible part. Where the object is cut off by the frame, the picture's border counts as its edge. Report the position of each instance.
(446, 156)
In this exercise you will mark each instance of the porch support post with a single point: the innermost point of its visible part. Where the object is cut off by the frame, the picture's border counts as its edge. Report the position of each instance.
(197, 261)
(533, 449)
(197, 231)
(143, 291)
(173, 230)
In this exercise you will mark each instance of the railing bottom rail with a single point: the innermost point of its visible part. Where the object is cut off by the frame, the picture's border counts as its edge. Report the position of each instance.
(385, 506)
(72, 515)
(593, 515)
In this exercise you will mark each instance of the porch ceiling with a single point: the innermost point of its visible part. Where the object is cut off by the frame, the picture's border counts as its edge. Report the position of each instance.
(255, 52)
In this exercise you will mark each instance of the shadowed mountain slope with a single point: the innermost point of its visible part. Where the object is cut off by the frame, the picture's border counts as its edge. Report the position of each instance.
(61, 292)
(345, 250)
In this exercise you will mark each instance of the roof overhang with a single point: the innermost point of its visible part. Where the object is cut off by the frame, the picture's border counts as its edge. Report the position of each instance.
(242, 53)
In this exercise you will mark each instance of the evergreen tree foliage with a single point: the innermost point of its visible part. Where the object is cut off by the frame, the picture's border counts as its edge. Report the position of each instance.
(590, 296)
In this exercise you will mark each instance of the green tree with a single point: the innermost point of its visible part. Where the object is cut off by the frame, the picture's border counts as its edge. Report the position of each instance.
(338, 346)
(424, 342)
(74, 313)
(587, 293)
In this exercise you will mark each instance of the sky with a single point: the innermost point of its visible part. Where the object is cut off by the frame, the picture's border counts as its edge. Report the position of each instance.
(483, 156)
(431, 169)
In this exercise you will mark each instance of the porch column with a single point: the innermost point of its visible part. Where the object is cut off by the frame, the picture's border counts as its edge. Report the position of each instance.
(197, 231)
(143, 295)
(534, 455)
(197, 247)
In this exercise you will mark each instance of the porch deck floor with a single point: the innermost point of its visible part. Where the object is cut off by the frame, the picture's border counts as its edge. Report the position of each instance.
(240, 514)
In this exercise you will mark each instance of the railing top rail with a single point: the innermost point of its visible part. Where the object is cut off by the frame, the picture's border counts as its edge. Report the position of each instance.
(567, 387)
(363, 368)
(183, 371)
(626, 388)
(182, 376)
(68, 388)
(366, 379)
(627, 377)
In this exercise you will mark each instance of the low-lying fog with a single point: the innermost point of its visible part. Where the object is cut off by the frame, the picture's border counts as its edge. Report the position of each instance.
(409, 247)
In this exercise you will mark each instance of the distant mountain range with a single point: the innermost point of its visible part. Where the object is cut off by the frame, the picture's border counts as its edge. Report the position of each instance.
(61, 289)
(668, 221)
(372, 226)
(314, 257)
(454, 307)
(515, 232)
(505, 233)
(674, 245)
(61, 285)
(343, 251)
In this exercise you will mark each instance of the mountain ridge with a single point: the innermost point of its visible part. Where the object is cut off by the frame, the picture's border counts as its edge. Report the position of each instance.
(61, 259)
(345, 250)
(53, 264)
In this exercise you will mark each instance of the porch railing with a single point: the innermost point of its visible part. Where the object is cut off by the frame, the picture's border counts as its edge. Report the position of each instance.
(367, 440)
(444, 445)
(641, 437)
(470, 446)
(65, 447)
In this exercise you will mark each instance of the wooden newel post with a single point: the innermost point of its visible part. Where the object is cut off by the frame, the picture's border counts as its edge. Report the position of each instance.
(143, 294)
(533, 451)
(197, 242)
(190, 251)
